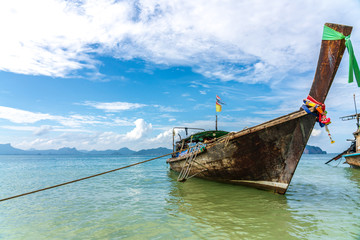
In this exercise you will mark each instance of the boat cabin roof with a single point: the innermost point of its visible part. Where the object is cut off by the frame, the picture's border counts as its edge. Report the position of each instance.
(206, 135)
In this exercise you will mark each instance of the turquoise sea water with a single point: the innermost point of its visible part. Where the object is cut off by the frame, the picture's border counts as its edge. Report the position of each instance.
(146, 202)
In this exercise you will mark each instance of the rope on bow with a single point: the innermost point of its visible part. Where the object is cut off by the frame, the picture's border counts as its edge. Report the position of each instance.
(320, 113)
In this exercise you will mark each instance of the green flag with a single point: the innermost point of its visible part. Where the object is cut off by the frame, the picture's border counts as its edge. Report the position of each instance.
(331, 34)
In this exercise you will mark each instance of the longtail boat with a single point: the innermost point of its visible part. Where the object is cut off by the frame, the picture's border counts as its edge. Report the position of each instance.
(352, 154)
(264, 156)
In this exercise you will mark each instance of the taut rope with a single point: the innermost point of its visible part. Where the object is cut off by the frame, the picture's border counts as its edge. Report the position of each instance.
(84, 178)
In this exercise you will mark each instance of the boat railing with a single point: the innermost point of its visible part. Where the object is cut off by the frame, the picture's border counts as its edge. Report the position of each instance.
(189, 161)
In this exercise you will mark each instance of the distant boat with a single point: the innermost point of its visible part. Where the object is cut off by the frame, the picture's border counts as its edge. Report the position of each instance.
(264, 156)
(353, 159)
(352, 154)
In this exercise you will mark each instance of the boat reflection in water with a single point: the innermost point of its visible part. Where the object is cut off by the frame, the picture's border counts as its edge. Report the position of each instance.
(227, 211)
(321, 197)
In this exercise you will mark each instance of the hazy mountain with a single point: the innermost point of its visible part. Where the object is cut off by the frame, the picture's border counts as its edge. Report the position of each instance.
(61, 151)
(121, 151)
(7, 149)
(95, 152)
(157, 151)
(125, 151)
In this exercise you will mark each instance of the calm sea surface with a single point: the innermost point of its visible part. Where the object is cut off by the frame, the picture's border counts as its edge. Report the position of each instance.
(146, 202)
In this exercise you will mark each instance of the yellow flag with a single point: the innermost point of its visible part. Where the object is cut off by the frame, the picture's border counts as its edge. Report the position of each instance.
(218, 107)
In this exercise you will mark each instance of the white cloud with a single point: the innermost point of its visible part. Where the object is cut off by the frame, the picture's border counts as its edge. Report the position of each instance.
(167, 109)
(114, 106)
(233, 40)
(20, 128)
(198, 83)
(316, 132)
(122, 106)
(43, 37)
(76, 122)
(122, 122)
(40, 129)
(22, 116)
(162, 139)
(141, 129)
(135, 139)
(44, 129)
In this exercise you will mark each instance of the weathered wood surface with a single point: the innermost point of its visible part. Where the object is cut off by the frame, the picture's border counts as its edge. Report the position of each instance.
(266, 156)
(331, 53)
(257, 156)
(353, 160)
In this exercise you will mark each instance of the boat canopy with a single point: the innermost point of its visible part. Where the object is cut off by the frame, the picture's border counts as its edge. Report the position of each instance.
(206, 135)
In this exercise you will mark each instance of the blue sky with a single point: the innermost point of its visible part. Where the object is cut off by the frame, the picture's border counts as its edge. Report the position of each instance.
(112, 74)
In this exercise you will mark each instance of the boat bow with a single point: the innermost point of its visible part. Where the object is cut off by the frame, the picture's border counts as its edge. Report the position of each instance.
(266, 156)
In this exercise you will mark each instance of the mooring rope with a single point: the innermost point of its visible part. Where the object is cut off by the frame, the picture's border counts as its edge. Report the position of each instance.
(227, 138)
(84, 178)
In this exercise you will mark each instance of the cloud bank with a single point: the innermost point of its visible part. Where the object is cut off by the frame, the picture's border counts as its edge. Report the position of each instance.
(247, 41)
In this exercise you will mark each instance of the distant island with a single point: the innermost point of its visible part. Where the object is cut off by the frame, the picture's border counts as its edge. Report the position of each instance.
(313, 150)
(7, 149)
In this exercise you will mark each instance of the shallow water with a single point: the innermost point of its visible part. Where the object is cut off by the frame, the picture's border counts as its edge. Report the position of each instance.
(146, 202)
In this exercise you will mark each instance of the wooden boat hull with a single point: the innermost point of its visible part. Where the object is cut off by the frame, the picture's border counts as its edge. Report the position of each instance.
(266, 156)
(353, 160)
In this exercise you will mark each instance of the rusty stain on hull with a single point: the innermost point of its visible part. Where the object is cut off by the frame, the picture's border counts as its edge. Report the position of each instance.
(266, 156)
